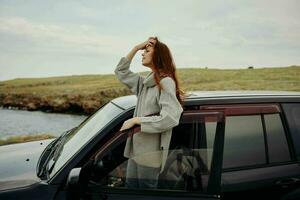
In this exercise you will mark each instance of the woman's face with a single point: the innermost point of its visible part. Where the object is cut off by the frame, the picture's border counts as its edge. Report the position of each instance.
(148, 54)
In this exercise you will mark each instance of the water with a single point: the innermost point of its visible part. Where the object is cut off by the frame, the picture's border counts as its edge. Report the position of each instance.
(19, 122)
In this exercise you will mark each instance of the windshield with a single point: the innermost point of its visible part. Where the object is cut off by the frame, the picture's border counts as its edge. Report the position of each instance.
(85, 132)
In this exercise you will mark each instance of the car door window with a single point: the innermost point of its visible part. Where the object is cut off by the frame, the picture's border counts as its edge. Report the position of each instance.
(278, 150)
(189, 161)
(292, 114)
(248, 144)
(244, 141)
(257, 157)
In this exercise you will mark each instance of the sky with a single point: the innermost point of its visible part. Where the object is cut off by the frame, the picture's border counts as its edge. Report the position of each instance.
(71, 37)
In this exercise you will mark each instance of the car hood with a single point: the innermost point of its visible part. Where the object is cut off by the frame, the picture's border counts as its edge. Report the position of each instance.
(18, 163)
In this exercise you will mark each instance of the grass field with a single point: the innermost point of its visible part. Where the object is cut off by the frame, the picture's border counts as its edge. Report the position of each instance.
(86, 93)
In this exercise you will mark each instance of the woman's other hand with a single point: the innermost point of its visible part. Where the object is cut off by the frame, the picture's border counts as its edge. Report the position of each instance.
(130, 123)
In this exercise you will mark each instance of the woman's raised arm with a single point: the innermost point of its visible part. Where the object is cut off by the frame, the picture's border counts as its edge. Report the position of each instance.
(132, 80)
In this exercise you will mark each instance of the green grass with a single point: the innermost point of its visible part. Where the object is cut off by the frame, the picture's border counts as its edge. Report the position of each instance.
(191, 78)
(88, 92)
(24, 138)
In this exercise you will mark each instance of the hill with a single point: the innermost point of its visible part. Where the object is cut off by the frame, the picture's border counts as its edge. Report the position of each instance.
(86, 93)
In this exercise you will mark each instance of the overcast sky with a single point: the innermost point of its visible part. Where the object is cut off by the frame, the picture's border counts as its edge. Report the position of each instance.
(68, 37)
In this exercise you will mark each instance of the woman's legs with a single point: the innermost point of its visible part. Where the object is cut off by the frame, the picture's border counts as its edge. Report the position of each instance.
(131, 175)
(139, 176)
(147, 176)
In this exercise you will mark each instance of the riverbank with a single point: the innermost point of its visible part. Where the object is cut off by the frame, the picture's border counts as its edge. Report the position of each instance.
(72, 95)
(85, 94)
(82, 104)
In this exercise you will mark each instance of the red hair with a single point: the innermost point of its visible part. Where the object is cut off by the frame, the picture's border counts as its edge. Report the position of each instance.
(164, 66)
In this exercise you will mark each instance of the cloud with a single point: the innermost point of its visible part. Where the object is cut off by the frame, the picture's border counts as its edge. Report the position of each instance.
(80, 36)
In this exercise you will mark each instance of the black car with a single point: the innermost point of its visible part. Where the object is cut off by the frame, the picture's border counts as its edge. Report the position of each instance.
(228, 145)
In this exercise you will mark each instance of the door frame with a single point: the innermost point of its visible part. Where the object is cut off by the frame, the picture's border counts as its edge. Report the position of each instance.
(214, 181)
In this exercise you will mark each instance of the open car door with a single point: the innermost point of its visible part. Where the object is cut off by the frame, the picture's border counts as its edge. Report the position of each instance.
(107, 168)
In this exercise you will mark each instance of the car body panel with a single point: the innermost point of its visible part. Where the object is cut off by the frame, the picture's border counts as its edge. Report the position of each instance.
(18, 163)
(21, 181)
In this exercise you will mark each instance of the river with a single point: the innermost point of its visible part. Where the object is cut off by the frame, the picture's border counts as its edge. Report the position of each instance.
(20, 122)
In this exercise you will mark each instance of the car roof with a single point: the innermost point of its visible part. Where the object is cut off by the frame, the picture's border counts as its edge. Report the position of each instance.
(222, 96)
(241, 93)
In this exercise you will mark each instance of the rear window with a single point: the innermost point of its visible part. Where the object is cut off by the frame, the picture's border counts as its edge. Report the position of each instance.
(292, 113)
(254, 140)
(277, 144)
(244, 141)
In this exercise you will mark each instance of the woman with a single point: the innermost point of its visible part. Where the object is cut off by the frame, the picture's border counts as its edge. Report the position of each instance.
(158, 92)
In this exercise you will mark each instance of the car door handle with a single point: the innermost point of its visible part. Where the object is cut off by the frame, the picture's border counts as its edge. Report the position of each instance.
(287, 181)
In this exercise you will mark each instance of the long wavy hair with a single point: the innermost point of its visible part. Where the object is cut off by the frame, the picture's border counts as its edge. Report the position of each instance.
(164, 66)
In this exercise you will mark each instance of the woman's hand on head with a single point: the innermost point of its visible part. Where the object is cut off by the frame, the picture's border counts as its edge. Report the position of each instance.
(151, 41)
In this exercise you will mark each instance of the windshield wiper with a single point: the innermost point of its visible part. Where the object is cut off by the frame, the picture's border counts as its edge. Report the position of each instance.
(56, 154)
(52, 151)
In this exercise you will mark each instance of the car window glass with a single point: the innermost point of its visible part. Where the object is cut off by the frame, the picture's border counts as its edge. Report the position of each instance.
(292, 113)
(187, 166)
(277, 143)
(211, 128)
(242, 134)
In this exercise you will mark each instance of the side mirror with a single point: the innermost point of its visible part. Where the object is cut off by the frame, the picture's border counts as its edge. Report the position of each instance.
(73, 186)
(73, 178)
(99, 170)
(99, 165)
(78, 178)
